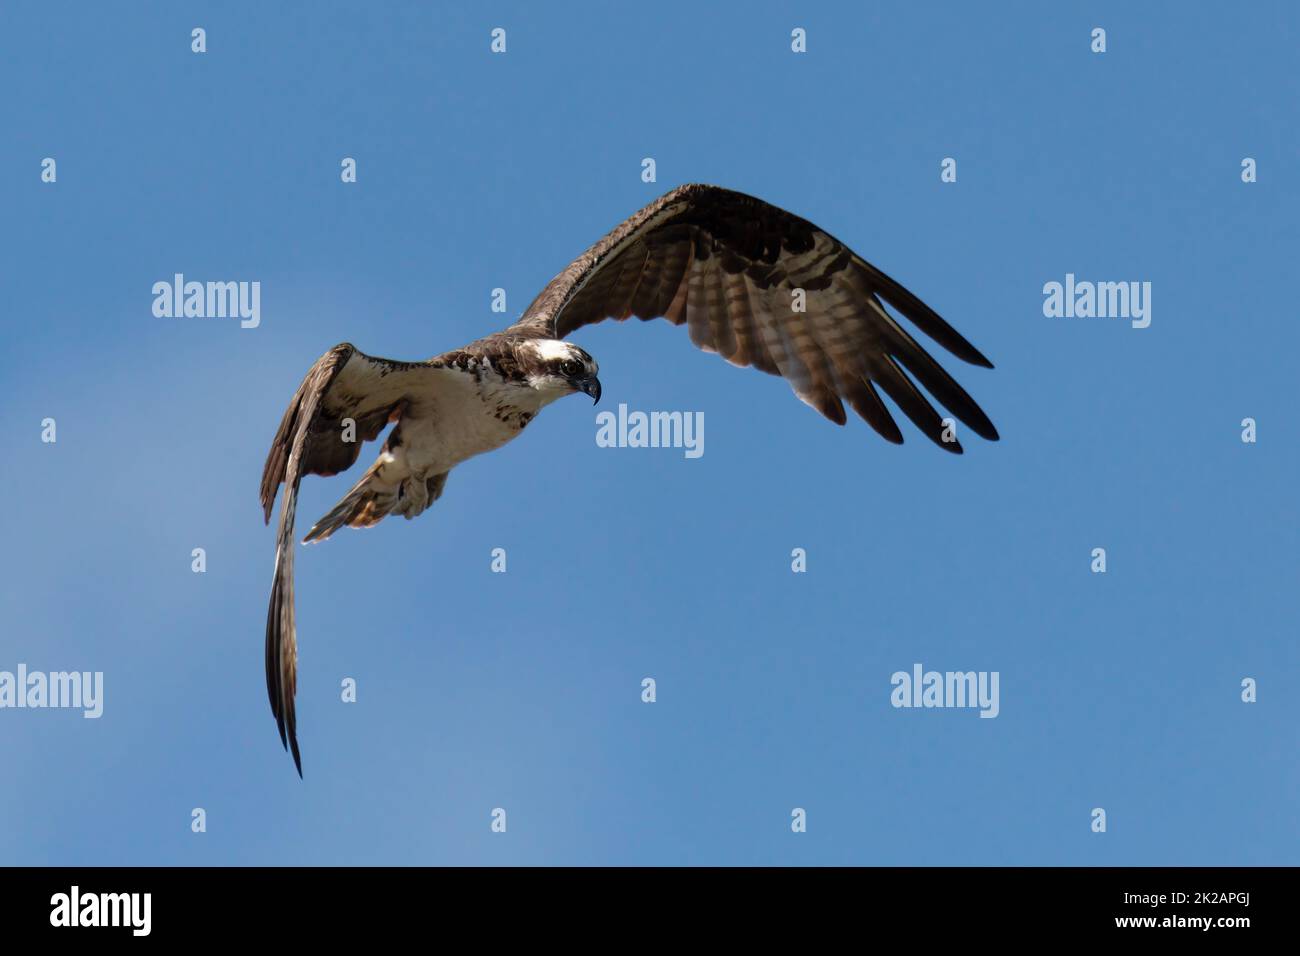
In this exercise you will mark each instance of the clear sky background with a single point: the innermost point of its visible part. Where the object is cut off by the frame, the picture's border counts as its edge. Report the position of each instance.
(523, 690)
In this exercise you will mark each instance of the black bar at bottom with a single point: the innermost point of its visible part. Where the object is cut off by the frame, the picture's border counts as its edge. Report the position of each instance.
(332, 905)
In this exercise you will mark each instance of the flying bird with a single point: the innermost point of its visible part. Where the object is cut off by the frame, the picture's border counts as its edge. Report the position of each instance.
(759, 286)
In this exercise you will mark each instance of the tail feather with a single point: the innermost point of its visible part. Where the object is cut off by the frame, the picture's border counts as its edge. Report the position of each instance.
(369, 501)
(372, 499)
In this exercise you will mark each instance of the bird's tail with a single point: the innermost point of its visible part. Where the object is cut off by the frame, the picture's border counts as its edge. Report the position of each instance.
(369, 501)
(373, 498)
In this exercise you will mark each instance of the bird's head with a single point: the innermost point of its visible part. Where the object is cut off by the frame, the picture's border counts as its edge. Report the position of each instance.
(564, 368)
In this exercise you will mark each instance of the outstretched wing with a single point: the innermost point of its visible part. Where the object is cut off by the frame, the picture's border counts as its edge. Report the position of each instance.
(346, 395)
(737, 271)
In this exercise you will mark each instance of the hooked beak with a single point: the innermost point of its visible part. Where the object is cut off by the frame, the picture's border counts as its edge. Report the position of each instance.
(591, 386)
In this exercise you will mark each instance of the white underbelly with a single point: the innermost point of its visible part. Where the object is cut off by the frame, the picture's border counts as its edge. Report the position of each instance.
(442, 445)
(482, 434)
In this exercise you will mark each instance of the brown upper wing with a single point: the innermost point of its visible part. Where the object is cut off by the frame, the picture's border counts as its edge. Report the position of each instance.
(343, 384)
(729, 267)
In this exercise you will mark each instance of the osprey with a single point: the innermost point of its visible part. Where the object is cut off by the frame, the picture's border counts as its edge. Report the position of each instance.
(756, 284)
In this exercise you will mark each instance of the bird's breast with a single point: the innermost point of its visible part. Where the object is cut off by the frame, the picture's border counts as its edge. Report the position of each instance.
(481, 420)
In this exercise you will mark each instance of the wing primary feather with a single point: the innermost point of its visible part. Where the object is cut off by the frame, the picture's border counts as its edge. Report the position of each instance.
(925, 318)
(865, 400)
(935, 378)
(891, 377)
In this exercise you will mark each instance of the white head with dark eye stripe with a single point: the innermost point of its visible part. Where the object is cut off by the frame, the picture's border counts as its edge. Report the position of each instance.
(561, 367)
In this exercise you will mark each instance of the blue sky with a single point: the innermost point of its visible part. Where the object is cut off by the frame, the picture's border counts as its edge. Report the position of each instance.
(522, 690)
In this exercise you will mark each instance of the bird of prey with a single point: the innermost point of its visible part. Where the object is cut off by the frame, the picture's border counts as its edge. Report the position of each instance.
(759, 286)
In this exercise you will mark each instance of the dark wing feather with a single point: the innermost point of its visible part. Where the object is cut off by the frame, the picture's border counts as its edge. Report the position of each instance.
(343, 384)
(726, 265)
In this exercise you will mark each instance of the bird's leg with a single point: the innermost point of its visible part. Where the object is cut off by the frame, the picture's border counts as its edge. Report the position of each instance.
(412, 496)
